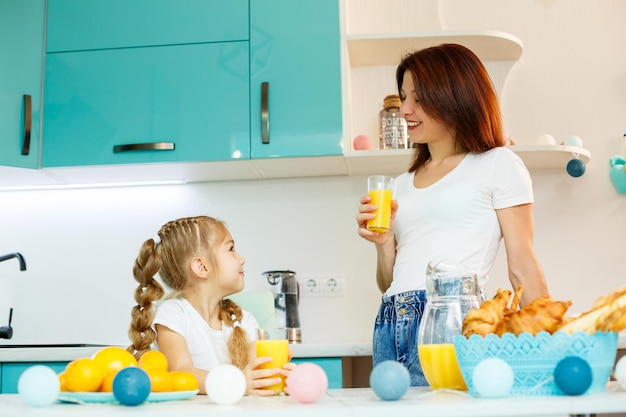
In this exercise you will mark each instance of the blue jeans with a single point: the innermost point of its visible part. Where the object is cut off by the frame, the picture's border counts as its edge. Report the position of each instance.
(395, 332)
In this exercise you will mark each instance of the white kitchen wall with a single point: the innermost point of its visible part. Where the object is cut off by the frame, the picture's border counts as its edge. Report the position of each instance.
(571, 79)
(80, 247)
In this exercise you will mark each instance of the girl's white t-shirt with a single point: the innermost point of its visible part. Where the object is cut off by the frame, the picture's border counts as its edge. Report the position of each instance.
(455, 218)
(207, 346)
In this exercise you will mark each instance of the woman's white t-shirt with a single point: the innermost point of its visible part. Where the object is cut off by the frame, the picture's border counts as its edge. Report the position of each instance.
(207, 346)
(455, 218)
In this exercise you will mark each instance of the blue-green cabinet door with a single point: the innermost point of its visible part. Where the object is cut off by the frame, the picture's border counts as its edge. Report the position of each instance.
(11, 373)
(78, 25)
(21, 57)
(331, 366)
(192, 98)
(294, 48)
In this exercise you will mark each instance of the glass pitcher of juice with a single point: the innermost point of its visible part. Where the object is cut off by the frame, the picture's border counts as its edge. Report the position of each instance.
(451, 292)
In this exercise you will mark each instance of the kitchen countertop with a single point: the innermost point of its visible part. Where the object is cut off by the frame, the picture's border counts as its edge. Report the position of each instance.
(66, 354)
(360, 402)
(300, 351)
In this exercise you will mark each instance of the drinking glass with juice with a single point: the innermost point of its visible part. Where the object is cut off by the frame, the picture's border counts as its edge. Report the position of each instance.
(380, 188)
(273, 343)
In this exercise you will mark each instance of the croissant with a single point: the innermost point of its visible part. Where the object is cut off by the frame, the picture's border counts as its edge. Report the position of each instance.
(484, 320)
(542, 314)
(613, 321)
(614, 296)
(604, 315)
(517, 298)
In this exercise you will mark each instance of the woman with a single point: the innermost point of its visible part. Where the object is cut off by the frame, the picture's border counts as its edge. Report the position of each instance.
(462, 194)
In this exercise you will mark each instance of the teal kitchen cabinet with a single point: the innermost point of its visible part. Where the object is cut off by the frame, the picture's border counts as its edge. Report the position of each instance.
(145, 81)
(21, 47)
(133, 82)
(77, 25)
(296, 76)
(331, 366)
(181, 103)
(10, 373)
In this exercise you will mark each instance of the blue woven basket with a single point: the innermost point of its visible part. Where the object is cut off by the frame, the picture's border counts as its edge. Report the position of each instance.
(533, 358)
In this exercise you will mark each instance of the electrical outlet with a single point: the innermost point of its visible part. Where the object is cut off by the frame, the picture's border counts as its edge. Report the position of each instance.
(321, 285)
(333, 285)
(310, 285)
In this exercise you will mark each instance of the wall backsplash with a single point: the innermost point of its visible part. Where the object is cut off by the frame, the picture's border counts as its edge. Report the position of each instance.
(80, 244)
(80, 247)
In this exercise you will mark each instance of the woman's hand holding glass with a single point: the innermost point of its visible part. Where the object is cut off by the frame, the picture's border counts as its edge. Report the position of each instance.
(367, 212)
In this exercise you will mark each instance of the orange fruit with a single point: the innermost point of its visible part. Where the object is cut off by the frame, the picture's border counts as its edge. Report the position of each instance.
(184, 381)
(153, 360)
(161, 381)
(113, 358)
(107, 382)
(62, 381)
(83, 375)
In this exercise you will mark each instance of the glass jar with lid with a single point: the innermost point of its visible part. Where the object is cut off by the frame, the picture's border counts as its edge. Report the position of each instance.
(393, 128)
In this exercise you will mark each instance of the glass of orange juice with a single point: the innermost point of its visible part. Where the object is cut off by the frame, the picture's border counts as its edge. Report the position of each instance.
(274, 343)
(380, 188)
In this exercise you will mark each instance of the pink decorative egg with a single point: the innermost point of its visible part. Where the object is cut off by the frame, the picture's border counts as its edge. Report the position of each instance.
(307, 382)
(362, 142)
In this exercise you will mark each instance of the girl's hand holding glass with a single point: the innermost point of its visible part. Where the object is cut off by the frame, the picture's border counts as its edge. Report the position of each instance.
(265, 381)
(367, 212)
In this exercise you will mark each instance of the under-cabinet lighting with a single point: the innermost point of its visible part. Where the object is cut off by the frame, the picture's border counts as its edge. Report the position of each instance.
(91, 185)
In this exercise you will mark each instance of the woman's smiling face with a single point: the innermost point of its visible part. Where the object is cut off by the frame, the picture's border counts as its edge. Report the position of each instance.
(421, 127)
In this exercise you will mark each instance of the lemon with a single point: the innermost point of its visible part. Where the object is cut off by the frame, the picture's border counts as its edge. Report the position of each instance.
(113, 358)
(83, 375)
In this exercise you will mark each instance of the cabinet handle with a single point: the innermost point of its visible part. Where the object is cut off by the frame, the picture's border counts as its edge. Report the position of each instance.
(265, 113)
(27, 124)
(154, 146)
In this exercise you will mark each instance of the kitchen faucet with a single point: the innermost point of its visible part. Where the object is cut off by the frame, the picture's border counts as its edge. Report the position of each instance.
(17, 255)
(6, 332)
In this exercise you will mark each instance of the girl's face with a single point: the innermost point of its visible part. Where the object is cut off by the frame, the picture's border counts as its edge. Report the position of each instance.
(422, 128)
(230, 266)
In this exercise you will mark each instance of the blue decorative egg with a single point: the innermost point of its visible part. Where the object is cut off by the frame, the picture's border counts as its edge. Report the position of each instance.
(573, 140)
(573, 375)
(131, 386)
(39, 386)
(575, 168)
(493, 378)
(390, 380)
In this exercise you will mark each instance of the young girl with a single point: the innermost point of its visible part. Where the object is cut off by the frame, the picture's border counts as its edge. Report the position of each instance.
(195, 326)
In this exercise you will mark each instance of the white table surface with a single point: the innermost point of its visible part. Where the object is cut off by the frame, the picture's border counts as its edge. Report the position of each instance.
(361, 402)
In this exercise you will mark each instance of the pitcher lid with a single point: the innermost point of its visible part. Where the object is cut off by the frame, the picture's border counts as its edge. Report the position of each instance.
(450, 278)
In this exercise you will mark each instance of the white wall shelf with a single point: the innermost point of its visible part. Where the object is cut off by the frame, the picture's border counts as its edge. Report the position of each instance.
(395, 162)
(388, 48)
(373, 162)
(550, 156)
